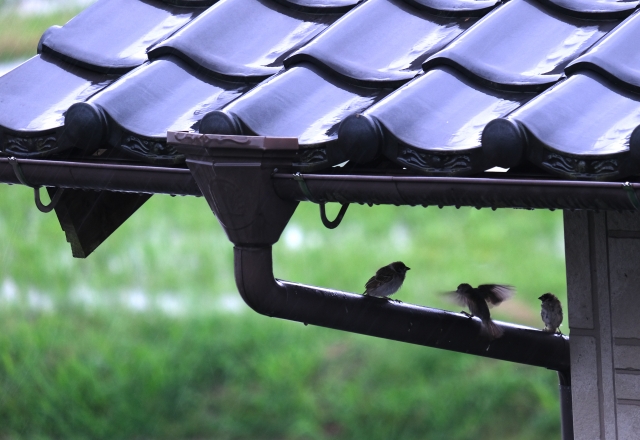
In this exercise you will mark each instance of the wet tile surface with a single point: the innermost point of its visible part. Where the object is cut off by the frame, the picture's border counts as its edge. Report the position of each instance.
(440, 87)
(42, 106)
(142, 103)
(303, 102)
(616, 55)
(366, 45)
(245, 38)
(442, 141)
(522, 44)
(104, 38)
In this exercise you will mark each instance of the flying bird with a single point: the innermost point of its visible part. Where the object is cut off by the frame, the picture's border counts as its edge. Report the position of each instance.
(479, 299)
(387, 280)
(551, 313)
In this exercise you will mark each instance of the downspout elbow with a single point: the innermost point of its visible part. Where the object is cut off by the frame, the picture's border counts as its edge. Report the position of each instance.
(258, 288)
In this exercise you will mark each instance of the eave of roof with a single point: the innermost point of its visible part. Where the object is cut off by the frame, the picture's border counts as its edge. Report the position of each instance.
(348, 85)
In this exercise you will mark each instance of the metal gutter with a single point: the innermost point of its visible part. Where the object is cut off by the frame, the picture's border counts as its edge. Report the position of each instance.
(238, 183)
(101, 176)
(254, 204)
(479, 192)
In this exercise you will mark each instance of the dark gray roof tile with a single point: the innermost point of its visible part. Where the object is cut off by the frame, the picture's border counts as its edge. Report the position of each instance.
(581, 128)
(337, 92)
(164, 95)
(583, 115)
(113, 36)
(455, 7)
(303, 102)
(33, 100)
(244, 38)
(434, 123)
(381, 41)
(190, 3)
(602, 8)
(35, 95)
(443, 111)
(616, 55)
(321, 5)
(521, 45)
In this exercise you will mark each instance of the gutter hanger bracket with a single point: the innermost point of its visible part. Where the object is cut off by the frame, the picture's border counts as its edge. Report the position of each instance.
(633, 197)
(36, 189)
(335, 223)
(323, 214)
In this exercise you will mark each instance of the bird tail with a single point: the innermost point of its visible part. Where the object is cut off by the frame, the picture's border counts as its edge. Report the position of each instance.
(491, 330)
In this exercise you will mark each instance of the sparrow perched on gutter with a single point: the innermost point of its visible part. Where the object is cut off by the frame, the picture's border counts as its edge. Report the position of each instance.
(387, 280)
(478, 301)
(551, 313)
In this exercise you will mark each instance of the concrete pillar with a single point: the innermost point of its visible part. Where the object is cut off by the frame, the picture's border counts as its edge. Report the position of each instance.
(603, 282)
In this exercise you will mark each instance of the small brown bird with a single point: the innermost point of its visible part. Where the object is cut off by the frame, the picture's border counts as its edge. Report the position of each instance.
(551, 313)
(478, 301)
(387, 280)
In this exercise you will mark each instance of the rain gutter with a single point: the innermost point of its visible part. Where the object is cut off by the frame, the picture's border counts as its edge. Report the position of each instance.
(101, 176)
(238, 178)
(251, 186)
(479, 192)
(235, 175)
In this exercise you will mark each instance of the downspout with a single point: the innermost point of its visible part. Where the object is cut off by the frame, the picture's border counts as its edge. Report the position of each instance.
(235, 174)
(388, 319)
(566, 407)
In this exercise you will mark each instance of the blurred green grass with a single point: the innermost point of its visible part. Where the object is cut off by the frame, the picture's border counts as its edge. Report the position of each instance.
(80, 360)
(148, 339)
(19, 34)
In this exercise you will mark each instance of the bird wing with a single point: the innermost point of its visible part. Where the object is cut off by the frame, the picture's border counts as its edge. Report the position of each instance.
(494, 294)
(457, 298)
(382, 276)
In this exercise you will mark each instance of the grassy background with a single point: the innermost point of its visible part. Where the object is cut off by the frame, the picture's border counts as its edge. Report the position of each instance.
(148, 338)
(20, 33)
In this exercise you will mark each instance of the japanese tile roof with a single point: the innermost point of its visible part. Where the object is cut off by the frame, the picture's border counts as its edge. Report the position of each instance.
(440, 87)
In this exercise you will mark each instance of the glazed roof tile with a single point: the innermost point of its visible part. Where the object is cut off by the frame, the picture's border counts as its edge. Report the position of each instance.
(587, 125)
(366, 46)
(616, 55)
(320, 5)
(102, 38)
(142, 103)
(455, 7)
(42, 107)
(303, 102)
(521, 43)
(331, 73)
(451, 113)
(580, 100)
(612, 8)
(245, 38)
